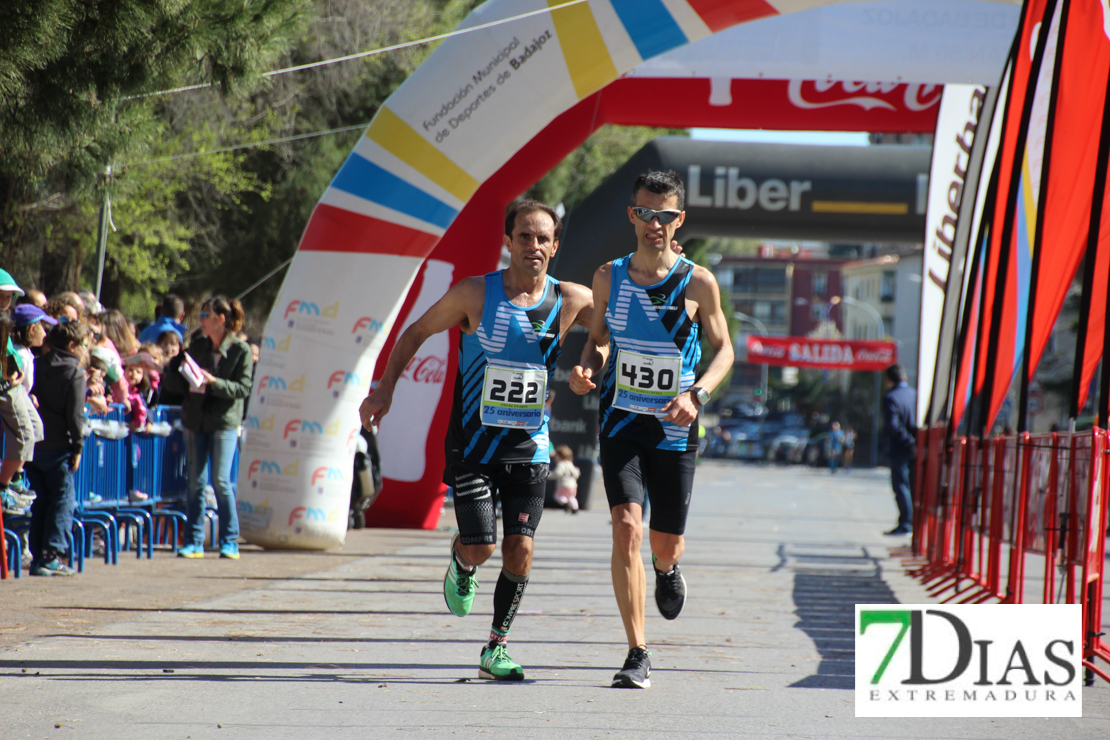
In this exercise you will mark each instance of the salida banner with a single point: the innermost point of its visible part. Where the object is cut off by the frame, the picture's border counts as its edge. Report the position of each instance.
(827, 354)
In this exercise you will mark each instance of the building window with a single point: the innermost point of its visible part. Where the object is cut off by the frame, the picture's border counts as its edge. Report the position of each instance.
(888, 326)
(817, 311)
(759, 280)
(886, 288)
(820, 284)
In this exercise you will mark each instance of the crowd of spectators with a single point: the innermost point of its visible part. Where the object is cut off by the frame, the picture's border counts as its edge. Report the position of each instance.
(66, 356)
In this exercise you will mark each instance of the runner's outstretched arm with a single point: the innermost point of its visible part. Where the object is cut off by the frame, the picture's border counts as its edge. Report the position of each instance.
(596, 352)
(452, 309)
(703, 289)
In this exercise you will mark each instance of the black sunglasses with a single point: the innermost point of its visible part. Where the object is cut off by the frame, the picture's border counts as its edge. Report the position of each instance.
(647, 215)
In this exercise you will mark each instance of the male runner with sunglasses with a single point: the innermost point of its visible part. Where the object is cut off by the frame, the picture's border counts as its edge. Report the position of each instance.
(650, 310)
(513, 323)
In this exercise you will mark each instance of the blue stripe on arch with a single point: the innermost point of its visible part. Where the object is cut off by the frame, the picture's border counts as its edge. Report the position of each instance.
(364, 179)
(651, 26)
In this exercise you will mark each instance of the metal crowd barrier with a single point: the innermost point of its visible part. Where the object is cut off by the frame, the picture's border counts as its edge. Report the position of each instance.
(984, 508)
(132, 483)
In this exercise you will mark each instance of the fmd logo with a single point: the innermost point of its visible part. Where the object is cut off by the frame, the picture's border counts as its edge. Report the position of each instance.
(265, 425)
(340, 380)
(366, 327)
(305, 426)
(278, 383)
(308, 308)
(269, 467)
(1013, 660)
(326, 473)
(273, 344)
(310, 514)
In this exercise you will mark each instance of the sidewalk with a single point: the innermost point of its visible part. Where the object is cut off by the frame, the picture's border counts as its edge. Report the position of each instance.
(776, 558)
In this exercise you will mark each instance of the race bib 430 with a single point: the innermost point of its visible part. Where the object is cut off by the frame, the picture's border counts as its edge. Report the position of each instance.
(646, 383)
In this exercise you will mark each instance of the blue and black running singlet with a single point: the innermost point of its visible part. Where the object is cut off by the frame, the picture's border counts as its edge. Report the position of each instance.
(501, 386)
(653, 353)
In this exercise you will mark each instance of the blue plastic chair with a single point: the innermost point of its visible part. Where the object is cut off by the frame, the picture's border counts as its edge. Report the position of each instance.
(146, 460)
(108, 471)
(15, 553)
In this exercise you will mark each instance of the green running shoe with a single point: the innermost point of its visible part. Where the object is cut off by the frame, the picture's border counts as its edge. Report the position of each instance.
(497, 665)
(459, 587)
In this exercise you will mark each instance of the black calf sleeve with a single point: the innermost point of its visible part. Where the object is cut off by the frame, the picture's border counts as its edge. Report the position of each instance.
(506, 601)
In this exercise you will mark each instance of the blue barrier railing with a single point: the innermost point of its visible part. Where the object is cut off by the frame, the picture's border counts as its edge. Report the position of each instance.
(130, 486)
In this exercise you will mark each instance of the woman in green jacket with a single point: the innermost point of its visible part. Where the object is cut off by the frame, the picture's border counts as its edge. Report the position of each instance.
(211, 414)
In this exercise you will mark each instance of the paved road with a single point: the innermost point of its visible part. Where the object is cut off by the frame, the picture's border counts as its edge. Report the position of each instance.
(776, 558)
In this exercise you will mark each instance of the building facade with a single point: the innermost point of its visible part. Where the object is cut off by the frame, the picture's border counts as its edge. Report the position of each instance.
(889, 286)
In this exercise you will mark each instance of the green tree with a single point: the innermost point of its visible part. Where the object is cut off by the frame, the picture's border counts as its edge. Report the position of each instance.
(76, 78)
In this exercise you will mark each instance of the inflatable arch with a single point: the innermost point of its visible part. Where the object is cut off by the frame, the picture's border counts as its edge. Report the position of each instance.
(419, 203)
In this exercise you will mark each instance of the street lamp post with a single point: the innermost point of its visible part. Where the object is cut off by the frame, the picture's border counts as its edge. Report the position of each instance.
(763, 371)
(878, 374)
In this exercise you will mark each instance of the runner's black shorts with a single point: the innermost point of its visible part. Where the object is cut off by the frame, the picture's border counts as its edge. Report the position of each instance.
(520, 486)
(625, 467)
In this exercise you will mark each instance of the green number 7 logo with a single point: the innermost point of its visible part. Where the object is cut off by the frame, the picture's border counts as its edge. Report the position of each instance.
(868, 618)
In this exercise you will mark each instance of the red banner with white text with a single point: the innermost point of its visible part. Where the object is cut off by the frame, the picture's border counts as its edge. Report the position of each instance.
(826, 354)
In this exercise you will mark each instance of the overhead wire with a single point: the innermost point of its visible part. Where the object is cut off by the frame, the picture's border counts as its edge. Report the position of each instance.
(372, 52)
(246, 146)
(324, 62)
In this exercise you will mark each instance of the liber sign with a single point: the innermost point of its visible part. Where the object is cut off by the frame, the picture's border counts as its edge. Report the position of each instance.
(826, 354)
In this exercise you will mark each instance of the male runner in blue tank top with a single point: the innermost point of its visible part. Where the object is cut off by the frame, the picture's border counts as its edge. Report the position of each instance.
(650, 311)
(513, 323)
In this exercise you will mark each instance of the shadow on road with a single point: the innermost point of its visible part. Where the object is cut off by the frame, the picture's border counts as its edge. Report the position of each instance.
(827, 586)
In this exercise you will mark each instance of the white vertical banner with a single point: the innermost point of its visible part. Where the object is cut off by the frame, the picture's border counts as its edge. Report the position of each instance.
(322, 340)
(957, 122)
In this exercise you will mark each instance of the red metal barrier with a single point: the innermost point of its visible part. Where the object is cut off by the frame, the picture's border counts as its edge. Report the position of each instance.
(983, 506)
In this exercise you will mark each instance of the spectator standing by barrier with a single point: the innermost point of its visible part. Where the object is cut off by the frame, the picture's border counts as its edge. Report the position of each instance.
(60, 388)
(117, 340)
(211, 414)
(36, 298)
(172, 312)
(66, 304)
(849, 448)
(899, 411)
(836, 446)
(170, 344)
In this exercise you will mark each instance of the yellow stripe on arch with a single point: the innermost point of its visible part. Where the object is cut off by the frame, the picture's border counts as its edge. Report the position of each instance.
(402, 141)
(588, 61)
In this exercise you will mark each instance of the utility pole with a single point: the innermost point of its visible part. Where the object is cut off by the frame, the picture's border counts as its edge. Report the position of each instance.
(763, 373)
(877, 417)
(102, 223)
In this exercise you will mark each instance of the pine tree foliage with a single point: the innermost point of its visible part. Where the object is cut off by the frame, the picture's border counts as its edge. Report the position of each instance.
(76, 78)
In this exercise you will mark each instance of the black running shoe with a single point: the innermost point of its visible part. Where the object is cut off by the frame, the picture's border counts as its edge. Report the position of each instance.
(637, 668)
(670, 592)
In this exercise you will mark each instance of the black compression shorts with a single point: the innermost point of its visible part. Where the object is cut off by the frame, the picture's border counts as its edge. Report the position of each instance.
(520, 486)
(625, 467)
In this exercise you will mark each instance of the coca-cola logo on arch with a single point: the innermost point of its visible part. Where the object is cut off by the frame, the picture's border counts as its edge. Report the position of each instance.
(428, 369)
(810, 94)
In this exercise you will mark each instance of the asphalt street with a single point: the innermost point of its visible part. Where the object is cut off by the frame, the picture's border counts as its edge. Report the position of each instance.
(776, 559)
